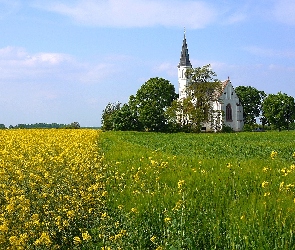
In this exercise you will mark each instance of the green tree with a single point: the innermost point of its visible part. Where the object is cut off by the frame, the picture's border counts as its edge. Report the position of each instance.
(108, 115)
(279, 110)
(251, 99)
(126, 119)
(74, 125)
(151, 102)
(196, 109)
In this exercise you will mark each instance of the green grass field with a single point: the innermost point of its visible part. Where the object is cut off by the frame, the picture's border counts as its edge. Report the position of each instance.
(198, 191)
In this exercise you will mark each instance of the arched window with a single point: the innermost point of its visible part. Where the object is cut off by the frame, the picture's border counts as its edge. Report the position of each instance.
(228, 113)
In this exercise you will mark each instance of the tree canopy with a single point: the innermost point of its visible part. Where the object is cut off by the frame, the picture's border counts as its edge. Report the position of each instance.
(151, 101)
(144, 111)
(279, 110)
(251, 100)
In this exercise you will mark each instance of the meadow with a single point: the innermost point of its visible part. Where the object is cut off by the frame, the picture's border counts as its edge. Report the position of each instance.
(200, 191)
(87, 189)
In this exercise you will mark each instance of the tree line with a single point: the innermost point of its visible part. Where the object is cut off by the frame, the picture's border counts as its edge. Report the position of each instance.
(156, 107)
(73, 125)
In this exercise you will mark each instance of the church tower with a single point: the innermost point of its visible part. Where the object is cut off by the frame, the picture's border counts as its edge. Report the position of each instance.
(183, 65)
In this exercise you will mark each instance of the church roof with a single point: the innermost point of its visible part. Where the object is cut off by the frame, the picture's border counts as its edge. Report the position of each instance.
(184, 56)
(224, 83)
(219, 92)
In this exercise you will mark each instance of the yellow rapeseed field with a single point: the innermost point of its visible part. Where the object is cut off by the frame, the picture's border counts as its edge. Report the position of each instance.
(51, 188)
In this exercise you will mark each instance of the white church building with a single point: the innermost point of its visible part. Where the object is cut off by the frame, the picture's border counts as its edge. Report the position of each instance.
(228, 103)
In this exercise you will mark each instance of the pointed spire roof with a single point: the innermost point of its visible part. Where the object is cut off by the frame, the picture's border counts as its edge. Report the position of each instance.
(184, 56)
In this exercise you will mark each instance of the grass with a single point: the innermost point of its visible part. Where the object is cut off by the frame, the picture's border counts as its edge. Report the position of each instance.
(199, 191)
(87, 189)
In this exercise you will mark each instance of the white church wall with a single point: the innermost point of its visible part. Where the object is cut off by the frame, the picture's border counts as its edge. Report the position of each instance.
(229, 97)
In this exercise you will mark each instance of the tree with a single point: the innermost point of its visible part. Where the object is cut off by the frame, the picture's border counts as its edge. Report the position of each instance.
(151, 102)
(251, 99)
(196, 109)
(74, 125)
(126, 119)
(108, 114)
(279, 110)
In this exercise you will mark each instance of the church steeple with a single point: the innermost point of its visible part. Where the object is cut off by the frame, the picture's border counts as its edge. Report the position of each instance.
(184, 56)
(183, 66)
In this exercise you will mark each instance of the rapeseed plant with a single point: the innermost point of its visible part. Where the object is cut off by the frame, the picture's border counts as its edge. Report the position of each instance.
(50, 187)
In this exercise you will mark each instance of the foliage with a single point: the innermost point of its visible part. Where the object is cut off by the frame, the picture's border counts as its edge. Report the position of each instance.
(126, 119)
(51, 188)
(251, 99)
(73, 125)
(199, 191)
(38, 125)
(279, 110)
(227, 129)
(151, 101)
(107, 115)
(195, 110)
(144, 111)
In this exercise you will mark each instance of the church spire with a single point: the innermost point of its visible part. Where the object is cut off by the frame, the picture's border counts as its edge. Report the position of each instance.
(184, 56)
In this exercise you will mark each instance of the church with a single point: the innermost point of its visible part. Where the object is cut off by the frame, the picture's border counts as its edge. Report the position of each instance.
(228, 102)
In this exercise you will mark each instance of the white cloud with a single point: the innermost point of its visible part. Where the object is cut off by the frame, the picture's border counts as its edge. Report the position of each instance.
(16, 64)
(137, 13)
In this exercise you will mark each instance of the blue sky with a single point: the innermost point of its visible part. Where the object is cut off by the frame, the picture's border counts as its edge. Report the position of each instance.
(63, 61)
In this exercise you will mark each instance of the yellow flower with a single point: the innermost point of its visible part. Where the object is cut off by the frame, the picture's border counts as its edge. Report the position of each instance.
(70, 213)
(77, 240)
(153, 162)
(86, 236)
(281, 186)
(43, 240)
(4, 227)
(167, 220)
(14, 241)
(273, 154)
(178, 205)
(264, 184)
(289, 186)
(134, 210)
(10, 207)
(153, 239)
(180, 184)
